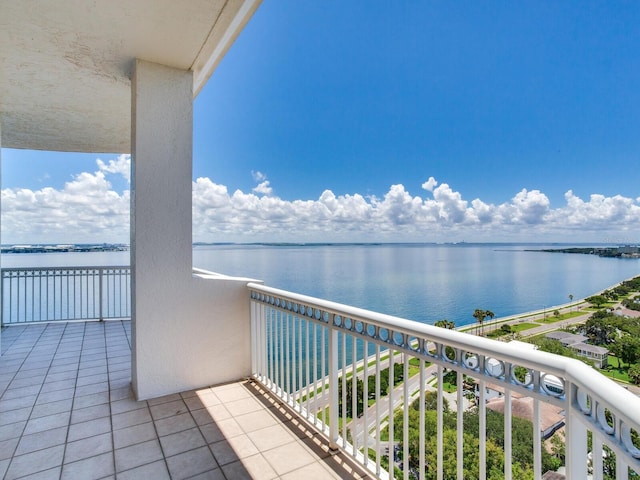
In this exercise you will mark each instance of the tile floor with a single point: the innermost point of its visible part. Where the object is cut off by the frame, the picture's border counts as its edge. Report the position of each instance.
(66, 412)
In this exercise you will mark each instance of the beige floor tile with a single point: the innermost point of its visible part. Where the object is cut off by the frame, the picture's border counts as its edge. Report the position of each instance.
(256, 420)
(231, 392)
(233, 449)
(165, 399)
(313, 471)
(130, 418)
(244, 405)
(135, 434)
(35, 462)
(91, 428)
(271, 437)
(79, 415)
(182, 441)
(13, 416)
(137, 455)
(174, 424)
(193, 462)
(168, 409)
(8, 447)
(250, 468)
(41, 440)
(52, 408)
(51, 474)
(47, 423)
(152, 471)
(288, 457)
(90, 400)
(211, 433)
(215, 474)
(13, 430)
(88, 447)
(97, 467)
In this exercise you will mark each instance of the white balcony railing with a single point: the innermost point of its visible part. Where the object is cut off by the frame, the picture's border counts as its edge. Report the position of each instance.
(307, 351)
(65, 293)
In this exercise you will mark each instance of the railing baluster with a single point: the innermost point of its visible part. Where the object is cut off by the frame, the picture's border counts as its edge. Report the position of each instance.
(391, 409)
(507, 435)
(421, 448)
(46, 294)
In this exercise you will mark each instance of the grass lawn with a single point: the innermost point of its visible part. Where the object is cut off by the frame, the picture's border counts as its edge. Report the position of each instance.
(551, 318)
(519, 327)
(614, 370)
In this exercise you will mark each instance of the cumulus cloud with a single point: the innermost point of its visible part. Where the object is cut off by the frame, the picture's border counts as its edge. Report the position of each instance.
(121, 166)
(87, 209)
(430, 184)
(263, 187)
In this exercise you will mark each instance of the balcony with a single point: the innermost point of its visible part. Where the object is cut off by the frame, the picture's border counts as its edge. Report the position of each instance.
(67, 405)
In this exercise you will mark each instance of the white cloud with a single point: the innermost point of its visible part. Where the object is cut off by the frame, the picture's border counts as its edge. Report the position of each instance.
(430, 184)
(121, 166)
(87, 209)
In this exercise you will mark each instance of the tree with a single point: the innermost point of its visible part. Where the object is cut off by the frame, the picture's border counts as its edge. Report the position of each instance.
(634, 373)
(444, 323)
(627, 349)
(600, 330)
(597, 300)
(480, 316)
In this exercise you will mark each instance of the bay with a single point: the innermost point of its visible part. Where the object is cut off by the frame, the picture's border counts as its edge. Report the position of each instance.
(423, 282)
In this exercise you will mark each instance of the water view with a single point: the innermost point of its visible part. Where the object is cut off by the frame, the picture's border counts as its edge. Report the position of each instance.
(415, 281)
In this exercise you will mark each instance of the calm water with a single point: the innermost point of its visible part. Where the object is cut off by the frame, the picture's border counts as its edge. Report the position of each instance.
(419, 282)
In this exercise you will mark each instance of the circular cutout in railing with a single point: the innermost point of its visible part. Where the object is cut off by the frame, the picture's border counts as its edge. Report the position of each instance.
(413, 343)
(494, 367)
(398, 339)
(521, 375)
(552, 385)
(296, 307)
(584, 402)
(448, 354)
(325, 317)
(383, 334)
(371, 331)
(288, 305)
(359, 326)
(348, 323)
(337, 321)
(631, 440)
(606, 419)
(470, 360)
(318, 314)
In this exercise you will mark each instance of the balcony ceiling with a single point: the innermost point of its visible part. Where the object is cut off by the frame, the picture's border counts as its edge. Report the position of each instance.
(65, 65)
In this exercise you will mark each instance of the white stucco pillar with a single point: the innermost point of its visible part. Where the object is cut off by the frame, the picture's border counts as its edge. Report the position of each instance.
(188, 331)
(161, 254)
(0, 212)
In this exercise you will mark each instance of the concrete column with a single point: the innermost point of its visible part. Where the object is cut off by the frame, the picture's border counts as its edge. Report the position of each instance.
(161, 253)
(0, 221)
(188, 331)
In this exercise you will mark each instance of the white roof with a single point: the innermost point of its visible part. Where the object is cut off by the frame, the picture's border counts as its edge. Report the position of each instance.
(65, 65)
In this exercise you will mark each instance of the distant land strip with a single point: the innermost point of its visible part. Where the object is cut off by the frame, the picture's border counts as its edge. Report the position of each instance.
(627, 251)
(102, 247)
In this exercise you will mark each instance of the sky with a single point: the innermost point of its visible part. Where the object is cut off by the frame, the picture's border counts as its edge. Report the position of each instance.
(377, 121)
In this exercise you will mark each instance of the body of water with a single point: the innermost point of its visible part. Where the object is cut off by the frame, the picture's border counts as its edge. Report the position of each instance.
(419, 282)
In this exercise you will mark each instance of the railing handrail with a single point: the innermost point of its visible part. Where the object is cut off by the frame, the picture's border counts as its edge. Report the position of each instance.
(64, 293)
(68, 269)
(622, 403)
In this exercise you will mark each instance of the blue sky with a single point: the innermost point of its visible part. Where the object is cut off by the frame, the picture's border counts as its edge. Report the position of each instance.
(525, 115)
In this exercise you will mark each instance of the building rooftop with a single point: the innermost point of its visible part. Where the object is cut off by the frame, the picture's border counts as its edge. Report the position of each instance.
(67, 411)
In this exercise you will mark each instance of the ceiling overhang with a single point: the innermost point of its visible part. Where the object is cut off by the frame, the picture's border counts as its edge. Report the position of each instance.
(65, 65)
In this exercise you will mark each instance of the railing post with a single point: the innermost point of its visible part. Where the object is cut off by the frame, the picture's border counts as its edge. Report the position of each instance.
(333, 387)
(100, 274)
(576, 439)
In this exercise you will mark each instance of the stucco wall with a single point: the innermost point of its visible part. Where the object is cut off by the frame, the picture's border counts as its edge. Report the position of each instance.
(187, 331)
